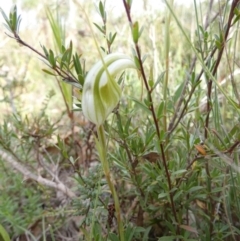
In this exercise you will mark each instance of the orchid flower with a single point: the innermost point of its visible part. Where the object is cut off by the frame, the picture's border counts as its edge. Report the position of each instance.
(101, 92)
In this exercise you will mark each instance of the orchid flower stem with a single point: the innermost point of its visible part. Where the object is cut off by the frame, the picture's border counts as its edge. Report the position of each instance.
(102, 150)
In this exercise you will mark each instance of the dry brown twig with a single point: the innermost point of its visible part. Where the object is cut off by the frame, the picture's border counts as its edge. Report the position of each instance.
(38, 178)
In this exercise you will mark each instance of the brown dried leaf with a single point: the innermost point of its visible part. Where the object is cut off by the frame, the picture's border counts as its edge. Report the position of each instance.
(189, 228)
(151, 156)
(201, 150)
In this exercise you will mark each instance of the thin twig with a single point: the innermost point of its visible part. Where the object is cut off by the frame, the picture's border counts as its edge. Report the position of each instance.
(151, 108)
(219, 57)
(65, 75)
(13, 162)
(179, 114)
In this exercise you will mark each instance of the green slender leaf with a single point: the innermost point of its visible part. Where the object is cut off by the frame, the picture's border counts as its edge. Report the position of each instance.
(69, 57)
(159, 79)
(195, 188)
(4, 16)
(150, 80)
(102, 11)
(103, 49)
(129, 232)
(127, 125)
(64, 59)
(45, 51)
(49, 72)
(141, 105)
(67, 92)
(52, 59)
(149, 137)
(162, 195)
(136, 61)
(57, 29)
(177, 195)
(102, 30)
(160, 110)
(78, 68)
(13, 18)
(120, 127)
(77, 64)
(81, 79)
(3, 234)
(178, 92)
(63, 49)
(135, 32)
(113, 237)
(111, 38)
(167, 238)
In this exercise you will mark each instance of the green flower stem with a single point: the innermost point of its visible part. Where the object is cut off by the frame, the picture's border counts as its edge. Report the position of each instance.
(102, 150)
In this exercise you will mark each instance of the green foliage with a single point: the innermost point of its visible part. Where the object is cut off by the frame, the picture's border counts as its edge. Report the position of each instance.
(170, 171)
(109, 37)
(13, 21)
(3, 234)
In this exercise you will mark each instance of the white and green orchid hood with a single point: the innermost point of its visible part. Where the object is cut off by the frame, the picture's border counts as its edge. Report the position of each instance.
(101, 92)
